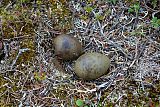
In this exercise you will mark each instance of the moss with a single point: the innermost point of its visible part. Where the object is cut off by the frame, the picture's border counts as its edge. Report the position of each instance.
(2, 84)
(60, 93)
(61, 15)
(4, 102)
(28, 55)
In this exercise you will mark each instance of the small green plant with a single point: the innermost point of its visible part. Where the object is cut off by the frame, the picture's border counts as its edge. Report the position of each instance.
(137, 33)
(23, 1)
(88, 9)
(39, 76)
(112, 1)
(99, 17)
(154, 3)
(134, 8)
(155, 22)
(79, 103)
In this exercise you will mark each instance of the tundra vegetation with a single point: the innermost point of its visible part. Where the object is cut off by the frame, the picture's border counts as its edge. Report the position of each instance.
(127, 31)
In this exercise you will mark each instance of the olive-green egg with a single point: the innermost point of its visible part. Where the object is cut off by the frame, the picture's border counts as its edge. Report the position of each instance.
(67, 47)
(91, 66)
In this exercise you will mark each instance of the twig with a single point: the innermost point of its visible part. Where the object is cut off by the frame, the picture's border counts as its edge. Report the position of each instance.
(19, 53)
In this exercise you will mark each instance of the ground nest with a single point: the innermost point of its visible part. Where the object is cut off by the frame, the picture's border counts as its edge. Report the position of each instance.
(128, 31)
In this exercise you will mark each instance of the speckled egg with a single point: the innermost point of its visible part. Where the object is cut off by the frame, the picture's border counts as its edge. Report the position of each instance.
(91, 66)
(67, 47)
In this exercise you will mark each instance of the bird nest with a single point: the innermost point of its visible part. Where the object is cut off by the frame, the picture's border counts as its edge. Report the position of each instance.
(127, 32)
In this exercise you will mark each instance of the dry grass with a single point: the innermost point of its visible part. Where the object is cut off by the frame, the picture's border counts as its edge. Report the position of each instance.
(30, 75)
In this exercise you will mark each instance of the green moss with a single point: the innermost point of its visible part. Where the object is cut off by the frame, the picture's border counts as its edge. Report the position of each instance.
(60, 93)
(2, 84)
(61, 15)
(28, 55)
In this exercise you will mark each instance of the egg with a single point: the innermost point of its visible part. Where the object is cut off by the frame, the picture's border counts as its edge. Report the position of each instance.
(67, 47)
(91, 66)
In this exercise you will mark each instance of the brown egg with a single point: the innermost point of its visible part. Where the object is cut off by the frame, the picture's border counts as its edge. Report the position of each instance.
(91, 66)
(67, 47)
